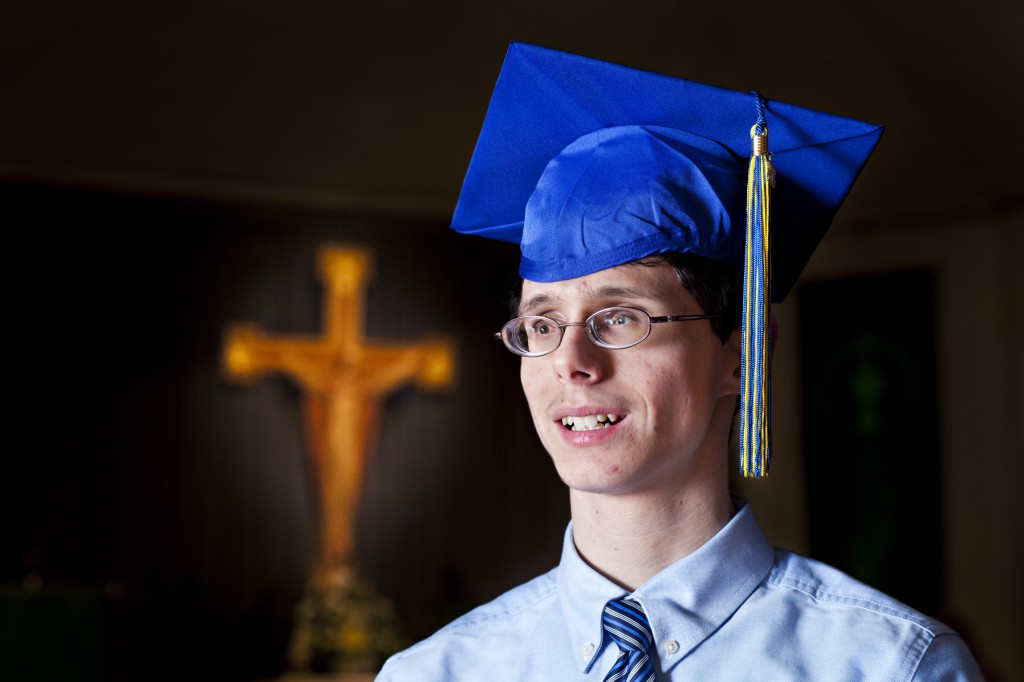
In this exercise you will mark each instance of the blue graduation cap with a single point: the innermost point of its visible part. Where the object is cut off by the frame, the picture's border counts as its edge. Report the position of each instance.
(588, 165)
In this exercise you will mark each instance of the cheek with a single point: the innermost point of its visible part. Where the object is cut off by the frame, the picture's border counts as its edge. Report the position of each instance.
(529, 378)
(670, 389)
(656, 377)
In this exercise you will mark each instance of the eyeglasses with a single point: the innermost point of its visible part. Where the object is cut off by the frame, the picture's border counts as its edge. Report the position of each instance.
(614, 328)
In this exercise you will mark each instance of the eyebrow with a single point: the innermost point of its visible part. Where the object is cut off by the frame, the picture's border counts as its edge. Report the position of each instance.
(604, 292)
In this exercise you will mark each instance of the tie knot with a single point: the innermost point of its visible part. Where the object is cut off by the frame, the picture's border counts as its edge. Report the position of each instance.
(627, 625)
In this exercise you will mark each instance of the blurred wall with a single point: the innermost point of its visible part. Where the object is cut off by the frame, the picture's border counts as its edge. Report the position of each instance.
(166, 515)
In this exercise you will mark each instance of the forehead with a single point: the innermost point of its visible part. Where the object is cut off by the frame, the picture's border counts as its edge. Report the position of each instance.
(623, 284)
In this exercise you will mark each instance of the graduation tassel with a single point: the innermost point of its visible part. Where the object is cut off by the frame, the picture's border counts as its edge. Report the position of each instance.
(755, 369)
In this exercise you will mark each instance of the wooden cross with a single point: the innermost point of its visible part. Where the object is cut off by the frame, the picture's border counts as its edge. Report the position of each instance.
(343, 378)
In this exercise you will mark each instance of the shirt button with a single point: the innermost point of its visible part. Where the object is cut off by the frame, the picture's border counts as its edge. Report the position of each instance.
(587, 649)
(671, 647)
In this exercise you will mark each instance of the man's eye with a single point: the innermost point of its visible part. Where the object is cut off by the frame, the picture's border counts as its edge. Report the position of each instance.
(621, 318)
(542, 328)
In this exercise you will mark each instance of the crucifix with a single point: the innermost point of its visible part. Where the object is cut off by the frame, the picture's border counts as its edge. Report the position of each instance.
(343, 377)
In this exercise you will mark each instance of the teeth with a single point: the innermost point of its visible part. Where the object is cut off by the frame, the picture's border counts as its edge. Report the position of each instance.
(590, 422)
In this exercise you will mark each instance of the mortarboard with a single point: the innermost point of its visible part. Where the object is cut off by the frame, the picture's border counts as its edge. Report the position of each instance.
(588, 165)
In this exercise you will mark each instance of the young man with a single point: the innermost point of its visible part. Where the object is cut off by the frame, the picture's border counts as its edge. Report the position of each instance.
(642, 226)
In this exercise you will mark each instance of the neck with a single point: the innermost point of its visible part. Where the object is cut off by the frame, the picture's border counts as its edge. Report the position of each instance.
(630, 538)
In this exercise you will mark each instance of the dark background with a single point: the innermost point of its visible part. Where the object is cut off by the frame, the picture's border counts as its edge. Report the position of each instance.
(871, 409)
(168, 514)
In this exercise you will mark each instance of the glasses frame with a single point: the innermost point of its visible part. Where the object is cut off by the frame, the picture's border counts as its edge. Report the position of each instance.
(586, 324)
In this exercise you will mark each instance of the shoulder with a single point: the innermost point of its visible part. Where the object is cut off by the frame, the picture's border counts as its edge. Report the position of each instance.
(825, 605)
(520, 604)
(487, 629)
(826, 585)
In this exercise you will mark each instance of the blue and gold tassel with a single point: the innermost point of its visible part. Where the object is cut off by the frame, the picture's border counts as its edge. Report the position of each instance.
(755, 369)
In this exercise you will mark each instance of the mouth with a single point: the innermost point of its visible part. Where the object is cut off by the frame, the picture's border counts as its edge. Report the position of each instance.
(590, 422)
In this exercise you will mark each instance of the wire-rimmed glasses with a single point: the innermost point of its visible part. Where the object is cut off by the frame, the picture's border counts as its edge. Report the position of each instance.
(615, 328)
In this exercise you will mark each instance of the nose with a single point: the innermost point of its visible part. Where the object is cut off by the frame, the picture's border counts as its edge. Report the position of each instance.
(577, 359)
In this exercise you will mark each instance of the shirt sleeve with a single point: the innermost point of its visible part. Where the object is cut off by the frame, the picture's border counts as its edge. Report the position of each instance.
(948, 660)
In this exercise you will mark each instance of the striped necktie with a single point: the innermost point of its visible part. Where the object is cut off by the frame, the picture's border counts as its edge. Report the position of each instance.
(625, 622)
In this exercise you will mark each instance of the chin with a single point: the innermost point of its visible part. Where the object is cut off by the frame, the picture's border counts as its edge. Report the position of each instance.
(593, 476)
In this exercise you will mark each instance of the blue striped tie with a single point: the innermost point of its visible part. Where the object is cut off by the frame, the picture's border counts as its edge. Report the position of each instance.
(625, 622)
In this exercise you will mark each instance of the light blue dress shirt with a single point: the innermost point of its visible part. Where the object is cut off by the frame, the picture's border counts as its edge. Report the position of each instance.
(735, 609)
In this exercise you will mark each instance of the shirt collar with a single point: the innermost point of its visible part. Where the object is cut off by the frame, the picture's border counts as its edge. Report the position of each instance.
(685, 602)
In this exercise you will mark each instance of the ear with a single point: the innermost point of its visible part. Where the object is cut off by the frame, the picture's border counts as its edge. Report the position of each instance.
(733, 361)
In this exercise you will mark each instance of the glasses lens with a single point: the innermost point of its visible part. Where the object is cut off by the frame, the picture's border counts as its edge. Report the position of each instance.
(532, 335)
(619, 327)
